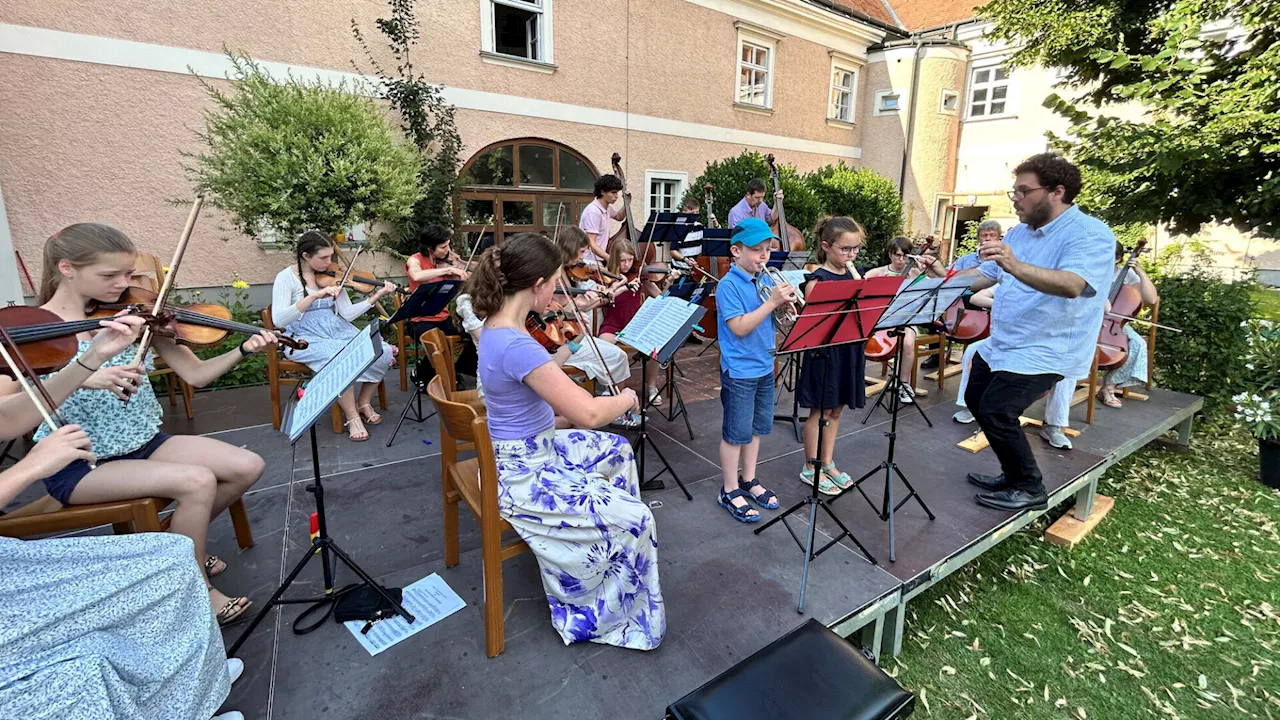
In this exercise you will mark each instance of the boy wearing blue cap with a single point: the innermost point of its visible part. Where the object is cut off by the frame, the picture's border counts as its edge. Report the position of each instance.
(746, 331)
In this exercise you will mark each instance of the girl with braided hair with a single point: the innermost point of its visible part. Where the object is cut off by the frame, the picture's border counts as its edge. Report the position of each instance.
(572, 495)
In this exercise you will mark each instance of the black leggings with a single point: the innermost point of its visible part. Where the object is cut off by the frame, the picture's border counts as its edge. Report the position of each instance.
(464, 365)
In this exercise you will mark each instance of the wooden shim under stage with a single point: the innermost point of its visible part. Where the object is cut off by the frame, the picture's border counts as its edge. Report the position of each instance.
(1067, 531)
(978, 441)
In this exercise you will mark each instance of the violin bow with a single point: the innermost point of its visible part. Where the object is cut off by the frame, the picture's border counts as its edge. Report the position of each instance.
(485, 229)
(162, 297)
(29, 381)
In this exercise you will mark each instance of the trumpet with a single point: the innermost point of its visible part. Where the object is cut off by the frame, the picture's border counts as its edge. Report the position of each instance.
(785, 314)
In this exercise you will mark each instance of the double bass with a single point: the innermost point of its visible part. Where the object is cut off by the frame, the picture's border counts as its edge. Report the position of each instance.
(1126, 301)
(628, 230)
(792, 238)
(711, 265)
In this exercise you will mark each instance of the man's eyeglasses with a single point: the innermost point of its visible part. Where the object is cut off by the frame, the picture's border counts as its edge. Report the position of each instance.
(1020, 194)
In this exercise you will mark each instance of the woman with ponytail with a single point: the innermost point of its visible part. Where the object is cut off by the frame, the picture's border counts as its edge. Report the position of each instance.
(572, 495)
(89, 263)
(323, 316)
(834, 378)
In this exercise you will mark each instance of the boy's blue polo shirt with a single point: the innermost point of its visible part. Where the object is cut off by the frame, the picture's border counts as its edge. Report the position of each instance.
(743, 357)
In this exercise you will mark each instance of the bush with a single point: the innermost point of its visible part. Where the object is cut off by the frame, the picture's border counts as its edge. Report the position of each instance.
(249, 371)
(865, 196)
(1207, 357)
(294, 156)
(729, 178)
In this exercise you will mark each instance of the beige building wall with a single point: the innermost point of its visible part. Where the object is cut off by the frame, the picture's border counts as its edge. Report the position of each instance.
(92, 123)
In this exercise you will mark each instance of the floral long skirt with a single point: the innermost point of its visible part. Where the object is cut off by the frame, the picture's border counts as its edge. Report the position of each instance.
(1134, 369)
(574, 497)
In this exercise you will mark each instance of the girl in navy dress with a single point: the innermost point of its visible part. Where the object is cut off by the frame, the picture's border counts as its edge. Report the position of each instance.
(843, 368)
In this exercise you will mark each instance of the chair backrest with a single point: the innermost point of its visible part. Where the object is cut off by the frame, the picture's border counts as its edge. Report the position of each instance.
(148, 272)
(456, 418)
(440, 352)
(273, 353)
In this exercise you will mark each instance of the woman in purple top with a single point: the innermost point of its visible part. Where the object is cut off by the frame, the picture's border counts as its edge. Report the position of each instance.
(573, 495)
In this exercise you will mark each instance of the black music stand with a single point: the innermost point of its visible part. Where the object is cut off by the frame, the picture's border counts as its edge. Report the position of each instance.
(918, 302)
(715, 243)
(429, 299)
(307, 407)
(667, 227)
(789, 375)
(834, 314)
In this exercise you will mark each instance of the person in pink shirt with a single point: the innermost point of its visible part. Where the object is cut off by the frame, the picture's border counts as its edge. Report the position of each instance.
(595, 218)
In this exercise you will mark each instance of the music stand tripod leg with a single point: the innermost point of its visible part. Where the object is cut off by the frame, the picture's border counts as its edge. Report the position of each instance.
(643, 442)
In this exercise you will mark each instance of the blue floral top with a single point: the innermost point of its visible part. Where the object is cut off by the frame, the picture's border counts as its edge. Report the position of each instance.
(114, 426)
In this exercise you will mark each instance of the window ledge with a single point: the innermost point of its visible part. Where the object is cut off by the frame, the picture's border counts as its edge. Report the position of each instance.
(746, 107)
(990, 118)
(517, 62)
(833, 122)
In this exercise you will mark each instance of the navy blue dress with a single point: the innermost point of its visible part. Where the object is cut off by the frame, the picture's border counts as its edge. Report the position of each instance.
(846, 376)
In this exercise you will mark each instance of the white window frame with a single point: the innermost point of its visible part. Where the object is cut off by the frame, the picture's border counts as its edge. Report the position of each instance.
(488, 32)
(942, 101)
(842, 63)
(766, 40)
(679, 177)
(880, 96)
(990, 87)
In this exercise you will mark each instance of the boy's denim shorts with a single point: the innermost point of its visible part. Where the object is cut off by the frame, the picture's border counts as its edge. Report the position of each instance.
(748, 407)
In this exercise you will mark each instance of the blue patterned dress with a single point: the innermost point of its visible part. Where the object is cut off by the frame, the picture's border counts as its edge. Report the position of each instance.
(107, 627)
(326, 334)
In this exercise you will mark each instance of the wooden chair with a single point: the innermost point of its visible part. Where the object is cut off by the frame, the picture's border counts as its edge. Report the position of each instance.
(46, 516)
(403, 347)
(280, 370)
(149, 273)
(474, 482)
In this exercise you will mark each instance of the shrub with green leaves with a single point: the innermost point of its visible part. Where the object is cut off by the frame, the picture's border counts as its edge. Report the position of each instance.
(292, 156)
(729, 178)
(1207, 357)
(865, 196)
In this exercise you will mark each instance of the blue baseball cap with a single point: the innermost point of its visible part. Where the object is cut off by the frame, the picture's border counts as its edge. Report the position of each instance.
(751, 232)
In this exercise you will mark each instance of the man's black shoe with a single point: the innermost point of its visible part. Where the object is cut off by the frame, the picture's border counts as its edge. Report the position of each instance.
(991, 483)
(650, 485)
(929, 363)
(693, 340)
(1013, 500)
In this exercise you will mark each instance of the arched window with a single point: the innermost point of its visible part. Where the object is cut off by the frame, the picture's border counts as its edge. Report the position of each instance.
(520, 185)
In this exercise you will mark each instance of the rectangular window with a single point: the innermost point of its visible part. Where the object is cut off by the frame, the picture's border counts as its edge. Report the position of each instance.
(844, 83)
(665, 188)
(950, 102)
(753, 74)
(989, 92)
(519, 28)
(887, 101)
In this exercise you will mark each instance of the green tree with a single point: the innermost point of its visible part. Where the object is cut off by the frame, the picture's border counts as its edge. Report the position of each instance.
(729, 178)
(293, 156)
(865, 196)
(1207, 149)
(425, 117)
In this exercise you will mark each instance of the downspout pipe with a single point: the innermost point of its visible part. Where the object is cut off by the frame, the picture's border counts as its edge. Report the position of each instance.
(911, 118)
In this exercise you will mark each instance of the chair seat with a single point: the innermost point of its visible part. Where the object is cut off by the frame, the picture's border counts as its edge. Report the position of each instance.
(811, 673)
(76, 517)
(466, 477)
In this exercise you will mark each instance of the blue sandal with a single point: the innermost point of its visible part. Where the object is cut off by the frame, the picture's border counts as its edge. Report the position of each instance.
(766, 499)
(738, 513)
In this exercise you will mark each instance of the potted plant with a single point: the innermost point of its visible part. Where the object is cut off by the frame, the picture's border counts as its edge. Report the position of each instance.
(288, 155)
(1258, 407)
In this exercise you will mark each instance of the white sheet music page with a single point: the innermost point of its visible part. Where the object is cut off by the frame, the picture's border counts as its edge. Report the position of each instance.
(332, 380)
(658, 320)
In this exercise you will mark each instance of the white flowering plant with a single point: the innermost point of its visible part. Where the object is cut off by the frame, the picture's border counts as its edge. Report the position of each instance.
(1258, 407)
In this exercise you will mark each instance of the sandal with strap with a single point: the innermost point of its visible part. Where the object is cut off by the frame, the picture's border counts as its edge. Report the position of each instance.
(233, 611)
(739, 513)
(373, 418)
(765, 499)
(353, 438)
(1111, 402)
(841, 479)
(825, 486)
(211, 568)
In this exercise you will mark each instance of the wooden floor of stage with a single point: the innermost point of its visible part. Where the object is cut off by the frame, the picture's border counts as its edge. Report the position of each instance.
(727, 592)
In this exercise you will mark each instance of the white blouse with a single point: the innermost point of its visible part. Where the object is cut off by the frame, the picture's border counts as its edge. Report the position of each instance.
(287, 291)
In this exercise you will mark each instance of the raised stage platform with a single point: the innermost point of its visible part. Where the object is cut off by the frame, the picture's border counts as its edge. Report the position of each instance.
(728, 592)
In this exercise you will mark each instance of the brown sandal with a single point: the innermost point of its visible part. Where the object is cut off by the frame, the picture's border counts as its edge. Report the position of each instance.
(210, 566)
(233, 611)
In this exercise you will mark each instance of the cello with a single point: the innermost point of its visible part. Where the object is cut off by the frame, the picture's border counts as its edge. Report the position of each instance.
(1126, 301)
(792, 238)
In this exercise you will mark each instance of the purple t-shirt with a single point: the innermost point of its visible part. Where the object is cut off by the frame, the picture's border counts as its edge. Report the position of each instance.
(742, 211)
(595, 220)
(515, 410)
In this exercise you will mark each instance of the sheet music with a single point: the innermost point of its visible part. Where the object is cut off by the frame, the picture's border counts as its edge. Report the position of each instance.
(923, 300)
(429, 599)
(333, 379)
(658, 320)
(796, 278)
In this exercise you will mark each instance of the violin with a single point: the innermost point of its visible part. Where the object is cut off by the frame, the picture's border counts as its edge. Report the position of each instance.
(554, 328)
(362, 282)
(200, 325)
(582, 271)
(46, 341)
(792, 238)
(1126, 301)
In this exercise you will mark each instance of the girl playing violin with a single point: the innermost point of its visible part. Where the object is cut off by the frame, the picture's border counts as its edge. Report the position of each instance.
(91, 263)
(572, 495)
(627, 298)
(835, 378)
(435, 262)
(323, 316)
(900, 263)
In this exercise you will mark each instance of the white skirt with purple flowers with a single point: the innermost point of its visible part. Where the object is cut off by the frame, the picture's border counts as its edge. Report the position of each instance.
(574, 497)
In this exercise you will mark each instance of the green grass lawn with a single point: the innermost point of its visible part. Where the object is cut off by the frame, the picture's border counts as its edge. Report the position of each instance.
(1170, 609)
(1268, 300)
